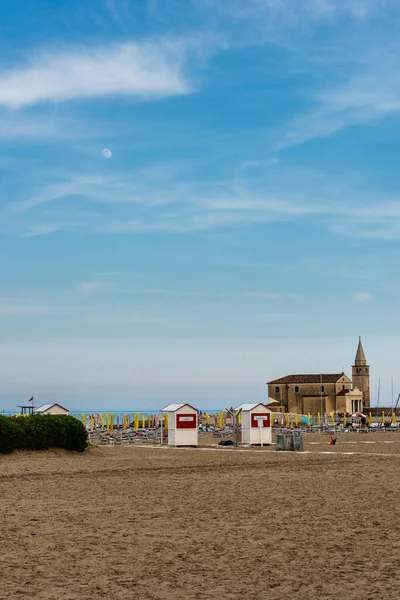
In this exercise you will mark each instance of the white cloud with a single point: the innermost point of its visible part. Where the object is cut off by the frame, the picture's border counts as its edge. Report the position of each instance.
(143, 71)
(363, 297)
(363, 98)
(93, 287)
(293, 12)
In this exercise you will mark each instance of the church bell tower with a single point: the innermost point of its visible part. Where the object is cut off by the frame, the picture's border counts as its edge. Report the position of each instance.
(360, 373)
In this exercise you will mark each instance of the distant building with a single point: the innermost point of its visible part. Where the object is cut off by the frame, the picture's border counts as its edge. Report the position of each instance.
(334, 392)
(360, 372)
(51, 409)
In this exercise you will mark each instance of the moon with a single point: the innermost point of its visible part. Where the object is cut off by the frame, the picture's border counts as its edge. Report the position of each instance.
(106, 153)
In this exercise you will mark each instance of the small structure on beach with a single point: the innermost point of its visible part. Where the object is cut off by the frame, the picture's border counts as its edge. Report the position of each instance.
(51, 409)
(182, 424)
(256, 423)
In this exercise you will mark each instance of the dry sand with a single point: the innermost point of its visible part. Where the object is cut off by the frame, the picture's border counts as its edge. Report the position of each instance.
(151, 523)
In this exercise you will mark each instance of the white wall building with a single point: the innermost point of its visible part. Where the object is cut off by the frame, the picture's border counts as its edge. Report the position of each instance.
(256, 423)
(51, 409)
(182, 424)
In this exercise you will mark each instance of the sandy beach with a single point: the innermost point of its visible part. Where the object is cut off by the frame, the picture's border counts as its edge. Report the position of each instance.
(152, 523)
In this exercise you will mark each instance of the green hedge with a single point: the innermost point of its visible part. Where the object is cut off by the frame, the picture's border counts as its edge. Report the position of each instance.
(41, 432)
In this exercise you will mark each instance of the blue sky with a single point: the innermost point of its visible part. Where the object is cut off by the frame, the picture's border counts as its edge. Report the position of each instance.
(247, 223)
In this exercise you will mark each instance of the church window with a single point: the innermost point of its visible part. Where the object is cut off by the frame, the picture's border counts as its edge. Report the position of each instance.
(277, 390)
(296, 389)
(322, 389)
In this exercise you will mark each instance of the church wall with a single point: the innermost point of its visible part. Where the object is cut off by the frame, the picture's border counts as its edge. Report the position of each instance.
(343, 383)
(312, 404)
(307, 399)
(341, 404)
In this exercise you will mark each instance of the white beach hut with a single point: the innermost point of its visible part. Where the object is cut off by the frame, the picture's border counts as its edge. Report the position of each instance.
(51, 409)
(182, 424)
(256, 423)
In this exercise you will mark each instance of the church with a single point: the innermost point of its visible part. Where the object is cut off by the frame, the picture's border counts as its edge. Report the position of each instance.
(324, 393)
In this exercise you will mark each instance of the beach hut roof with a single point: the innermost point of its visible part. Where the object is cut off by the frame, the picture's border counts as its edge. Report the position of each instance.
(175, 407)
(249, 406)
(44, 407)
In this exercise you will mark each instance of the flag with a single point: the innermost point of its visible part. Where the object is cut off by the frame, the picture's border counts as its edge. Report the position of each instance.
(30, 399)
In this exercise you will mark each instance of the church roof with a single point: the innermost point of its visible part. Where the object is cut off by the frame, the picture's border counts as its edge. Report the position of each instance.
(354, 392)
(311, 378)
(360, 356)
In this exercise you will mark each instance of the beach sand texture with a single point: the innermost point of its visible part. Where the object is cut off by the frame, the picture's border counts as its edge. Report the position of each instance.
(136, 522)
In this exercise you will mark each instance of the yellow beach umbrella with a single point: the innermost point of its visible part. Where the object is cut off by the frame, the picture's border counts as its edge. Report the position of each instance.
(149, 421)
(143, 422)
(221, 420)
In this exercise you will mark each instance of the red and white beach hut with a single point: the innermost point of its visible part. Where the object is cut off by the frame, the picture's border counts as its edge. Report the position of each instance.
(256, 423)
(182, 424)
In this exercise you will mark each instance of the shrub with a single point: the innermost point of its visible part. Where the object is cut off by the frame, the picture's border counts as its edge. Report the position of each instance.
(41, 432)
(8, 435)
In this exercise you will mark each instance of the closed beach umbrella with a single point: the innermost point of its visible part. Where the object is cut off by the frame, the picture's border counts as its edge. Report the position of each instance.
(221, 420)
(143, 422)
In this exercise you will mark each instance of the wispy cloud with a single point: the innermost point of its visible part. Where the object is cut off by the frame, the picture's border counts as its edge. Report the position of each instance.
(94, 287)
(269, 13)
(143, 71)
(152, 200)
(362, 297)
(363, 98)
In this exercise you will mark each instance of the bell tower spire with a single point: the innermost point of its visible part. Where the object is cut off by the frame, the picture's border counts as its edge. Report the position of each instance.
(360, 371)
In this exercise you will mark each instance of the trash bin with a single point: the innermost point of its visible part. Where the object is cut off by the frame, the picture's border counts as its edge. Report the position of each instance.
(289, 442)
(280, 442)
(298, 442)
